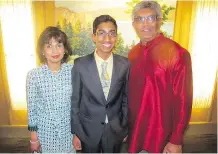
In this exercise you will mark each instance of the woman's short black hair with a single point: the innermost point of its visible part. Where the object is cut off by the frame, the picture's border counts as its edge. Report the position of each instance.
(55, 33)
(101, 19)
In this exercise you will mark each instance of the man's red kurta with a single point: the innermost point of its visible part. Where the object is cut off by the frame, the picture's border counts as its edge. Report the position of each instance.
(160, 94)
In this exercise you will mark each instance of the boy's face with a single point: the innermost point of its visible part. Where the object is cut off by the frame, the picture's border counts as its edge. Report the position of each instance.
(105, 37)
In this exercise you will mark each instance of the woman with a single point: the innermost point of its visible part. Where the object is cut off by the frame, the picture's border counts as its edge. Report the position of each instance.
(49, 95)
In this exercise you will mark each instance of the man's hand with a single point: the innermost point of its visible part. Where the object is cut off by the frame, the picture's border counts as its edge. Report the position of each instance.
(77, 143)
(172, 148)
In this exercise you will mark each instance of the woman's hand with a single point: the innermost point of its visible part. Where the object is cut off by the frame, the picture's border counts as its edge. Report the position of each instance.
(35, 146)
(34, 142)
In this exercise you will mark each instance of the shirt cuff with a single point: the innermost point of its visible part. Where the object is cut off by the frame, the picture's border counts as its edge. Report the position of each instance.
(32, 128)
(177, 139)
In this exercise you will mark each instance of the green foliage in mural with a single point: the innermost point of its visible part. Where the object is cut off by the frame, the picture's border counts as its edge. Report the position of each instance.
(79, 38)
(58, 25)
(82, 40)
(120, 47)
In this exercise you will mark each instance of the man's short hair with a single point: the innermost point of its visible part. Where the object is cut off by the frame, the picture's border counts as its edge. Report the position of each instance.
(147, 5)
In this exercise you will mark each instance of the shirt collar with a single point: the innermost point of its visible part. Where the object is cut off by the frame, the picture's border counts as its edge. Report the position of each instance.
(100, 60)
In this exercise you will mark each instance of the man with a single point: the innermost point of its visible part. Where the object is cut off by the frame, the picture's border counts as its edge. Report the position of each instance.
(160, 86)
(99, 99)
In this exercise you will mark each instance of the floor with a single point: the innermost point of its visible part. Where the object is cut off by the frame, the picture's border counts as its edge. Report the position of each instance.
(192, 144)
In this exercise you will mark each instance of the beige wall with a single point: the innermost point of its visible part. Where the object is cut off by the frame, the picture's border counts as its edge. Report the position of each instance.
(4, 113)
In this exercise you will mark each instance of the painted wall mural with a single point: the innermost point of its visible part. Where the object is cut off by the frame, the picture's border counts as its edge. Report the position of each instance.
(75, 18)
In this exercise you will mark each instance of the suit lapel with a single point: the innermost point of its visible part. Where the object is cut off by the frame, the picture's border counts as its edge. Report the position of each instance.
(114, 76)
(92, 67)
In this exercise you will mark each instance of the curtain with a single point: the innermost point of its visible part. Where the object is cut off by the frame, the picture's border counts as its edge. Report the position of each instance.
(17, 35)
(21, 24)
(205, 55)
(196, 30)
(4, 88)
(43, 16)
(182, 26)
(205, 50)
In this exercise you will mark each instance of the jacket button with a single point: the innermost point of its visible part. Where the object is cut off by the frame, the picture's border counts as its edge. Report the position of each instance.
(102, 123)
